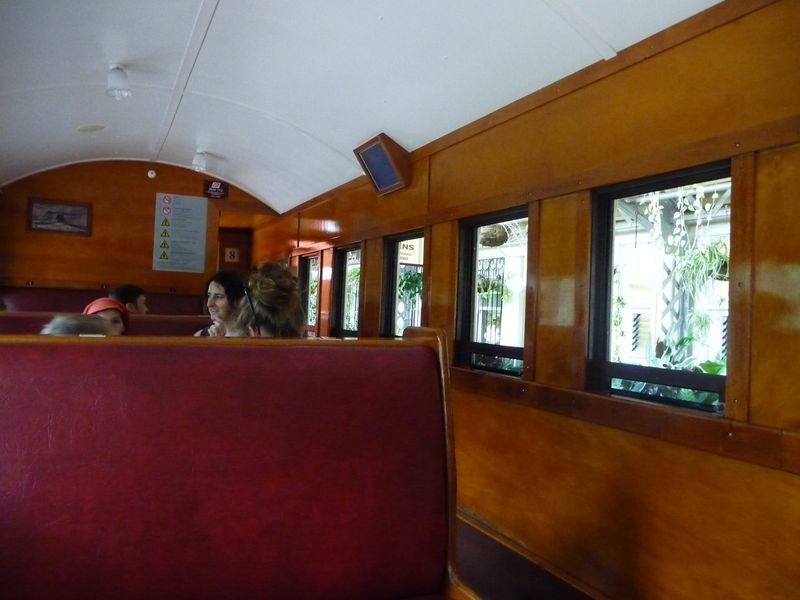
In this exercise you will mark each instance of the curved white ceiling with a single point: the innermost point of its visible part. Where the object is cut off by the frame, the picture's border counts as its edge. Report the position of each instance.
(279, 92)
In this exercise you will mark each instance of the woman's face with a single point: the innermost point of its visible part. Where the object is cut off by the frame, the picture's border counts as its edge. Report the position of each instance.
(219, 307)
(114, 317)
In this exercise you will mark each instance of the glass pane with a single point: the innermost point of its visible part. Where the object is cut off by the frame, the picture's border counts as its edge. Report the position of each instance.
(313, 291)
(351, 282)
(408, 286)
(498, 364)
(669, 287)
(500, 279)
(709, 401)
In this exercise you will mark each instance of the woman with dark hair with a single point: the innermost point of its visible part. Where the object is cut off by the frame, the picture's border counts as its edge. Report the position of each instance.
(274, 305)
(224, 291)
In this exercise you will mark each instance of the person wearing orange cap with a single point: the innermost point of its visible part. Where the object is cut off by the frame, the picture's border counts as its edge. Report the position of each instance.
(111, 310)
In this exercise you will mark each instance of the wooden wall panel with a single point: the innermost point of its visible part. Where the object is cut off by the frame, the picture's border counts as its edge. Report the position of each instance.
(237, 220)
(274, 238)
(562, 302)
(441, 267)
(317, 226)
(120, 247)
(369, 321)
(325, 292)
(776, 301)
(626, 515)
(740, 287)
(692, 103)
(532, 291)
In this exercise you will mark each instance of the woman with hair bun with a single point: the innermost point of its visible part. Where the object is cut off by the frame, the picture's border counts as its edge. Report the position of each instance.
(275, 303)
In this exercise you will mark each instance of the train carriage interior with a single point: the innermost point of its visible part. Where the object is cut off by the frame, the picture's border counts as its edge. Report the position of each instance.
(591, 203)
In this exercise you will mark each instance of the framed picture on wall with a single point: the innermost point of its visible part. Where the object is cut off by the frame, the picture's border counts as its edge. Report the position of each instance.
(64, 216)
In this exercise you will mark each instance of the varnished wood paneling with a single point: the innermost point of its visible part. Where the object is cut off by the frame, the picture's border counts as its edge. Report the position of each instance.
(738, 77)
(758, 445)
(427, 280)
(776, 301)
(317, 226)
(354, 212)
(791, 451)
(563, 293)
(442, 269)
(325, 293)
(236, 220)
(629, 516)
(369, 319)
(532, 292)
(274, 238)
(120, 247)
(737, 384)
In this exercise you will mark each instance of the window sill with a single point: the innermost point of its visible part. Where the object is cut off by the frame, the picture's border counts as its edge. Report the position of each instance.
(773, 448)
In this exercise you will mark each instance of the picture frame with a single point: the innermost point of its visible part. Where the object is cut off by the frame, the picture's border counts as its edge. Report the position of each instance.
(62, 216)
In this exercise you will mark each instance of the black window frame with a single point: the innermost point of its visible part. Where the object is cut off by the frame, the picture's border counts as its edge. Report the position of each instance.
(464, 347)
(338, 288)
(304, 274)
(600, 371)
(389, 292)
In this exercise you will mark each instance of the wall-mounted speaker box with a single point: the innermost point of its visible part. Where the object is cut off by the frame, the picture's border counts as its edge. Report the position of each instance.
(386, 163)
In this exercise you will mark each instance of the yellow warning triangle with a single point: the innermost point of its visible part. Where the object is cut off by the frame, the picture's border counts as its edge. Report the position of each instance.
(165, 233)
(164, 244)
(164, 256)
(165, 223)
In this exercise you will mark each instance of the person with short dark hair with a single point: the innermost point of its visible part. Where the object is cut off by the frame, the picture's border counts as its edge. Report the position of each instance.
(274, 306)
(132, 296)
(224, 290)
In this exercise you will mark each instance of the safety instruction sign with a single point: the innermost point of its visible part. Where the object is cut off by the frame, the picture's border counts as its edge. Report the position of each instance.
(179, 236)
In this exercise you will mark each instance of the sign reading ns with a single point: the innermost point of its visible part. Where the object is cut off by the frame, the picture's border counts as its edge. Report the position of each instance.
(410, 252)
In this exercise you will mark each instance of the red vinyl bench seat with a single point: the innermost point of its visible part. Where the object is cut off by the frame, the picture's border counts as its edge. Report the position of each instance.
(224, 468)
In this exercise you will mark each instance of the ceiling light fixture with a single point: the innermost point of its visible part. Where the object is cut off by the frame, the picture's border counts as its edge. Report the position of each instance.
(199, 161)
(90, 128)
(118, 87)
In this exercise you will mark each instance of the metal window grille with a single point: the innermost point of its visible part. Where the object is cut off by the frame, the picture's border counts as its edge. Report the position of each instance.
(489, 290)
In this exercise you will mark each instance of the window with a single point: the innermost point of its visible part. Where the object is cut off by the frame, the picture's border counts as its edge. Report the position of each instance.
(402, 306)
(660, 288)
(346, 282)
(491, 295)
(309, 284)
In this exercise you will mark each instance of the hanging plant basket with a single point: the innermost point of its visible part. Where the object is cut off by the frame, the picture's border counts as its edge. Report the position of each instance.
(493, 236)
(701, 265)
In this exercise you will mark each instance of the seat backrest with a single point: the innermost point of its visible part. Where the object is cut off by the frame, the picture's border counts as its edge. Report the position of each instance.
(198, 468)
(17, 298)
(175, 325)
